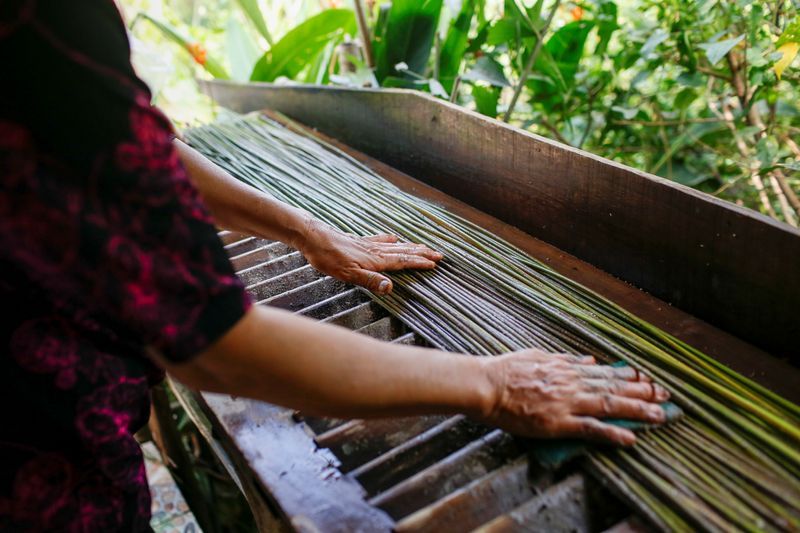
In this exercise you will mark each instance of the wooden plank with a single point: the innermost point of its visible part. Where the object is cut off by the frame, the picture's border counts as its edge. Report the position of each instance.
(359, 441)
(270, 269)
(299, 478)
(340, 300)
(285, 282)
(265, 253)
(725, 264)
(770, 371)
(241, 244)
(385, 329)
(357, 317)
(480, 501)
(454, 471)
(417, 454)
(629, 525)
(307, 295)
(562, 507)
(576, 504)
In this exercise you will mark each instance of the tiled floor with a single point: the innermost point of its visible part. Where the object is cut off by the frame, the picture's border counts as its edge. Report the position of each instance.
(171, 514)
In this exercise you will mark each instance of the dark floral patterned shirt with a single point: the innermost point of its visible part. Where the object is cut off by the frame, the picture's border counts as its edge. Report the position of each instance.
(106, 252)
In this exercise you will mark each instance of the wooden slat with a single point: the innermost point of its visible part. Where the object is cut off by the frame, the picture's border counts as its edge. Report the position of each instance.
(307, 295)
(458, 469)
(357, 317)
(408, 338)
(265, 253)
(300, 478)
(341, 300)
(360, 441)
(629, 525)
(242, 245)
(284, 282)
(562, 507)
(688, 248)
(318, 424)
(256, 274)
(385, 329)
(418, 453)
(230, 237)
(480, 501)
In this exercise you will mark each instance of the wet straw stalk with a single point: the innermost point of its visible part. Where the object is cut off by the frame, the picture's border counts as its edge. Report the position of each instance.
(731, 464)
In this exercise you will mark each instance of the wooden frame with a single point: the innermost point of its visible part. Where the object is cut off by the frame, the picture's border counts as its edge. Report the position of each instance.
(283, 472)
(730, 266)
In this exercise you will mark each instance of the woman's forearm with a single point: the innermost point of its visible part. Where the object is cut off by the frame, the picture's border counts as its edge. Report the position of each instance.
(284, 359)
(325, 370)
(239, 207)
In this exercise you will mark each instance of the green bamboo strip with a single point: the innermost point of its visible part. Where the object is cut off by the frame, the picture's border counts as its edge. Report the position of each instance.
(488, 297)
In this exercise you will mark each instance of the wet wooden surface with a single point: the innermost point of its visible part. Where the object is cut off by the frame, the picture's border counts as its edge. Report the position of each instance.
(727, 265)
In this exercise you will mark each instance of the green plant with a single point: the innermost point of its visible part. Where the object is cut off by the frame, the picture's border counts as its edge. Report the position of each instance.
(700, 92)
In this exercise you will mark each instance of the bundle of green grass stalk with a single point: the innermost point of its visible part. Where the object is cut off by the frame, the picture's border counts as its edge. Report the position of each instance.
(732, 463)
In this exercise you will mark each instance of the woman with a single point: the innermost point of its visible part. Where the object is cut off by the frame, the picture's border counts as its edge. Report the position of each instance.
(112, 271)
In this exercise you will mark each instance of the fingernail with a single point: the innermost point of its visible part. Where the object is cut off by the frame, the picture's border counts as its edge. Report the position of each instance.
(661, 393)
(657, 414)
(587, 359)
(383, 287)
(628, 438)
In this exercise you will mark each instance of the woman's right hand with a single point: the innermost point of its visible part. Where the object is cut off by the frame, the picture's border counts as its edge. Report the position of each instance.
(544, 395)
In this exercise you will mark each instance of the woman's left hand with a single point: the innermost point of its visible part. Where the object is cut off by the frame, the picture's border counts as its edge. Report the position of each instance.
(360, 260)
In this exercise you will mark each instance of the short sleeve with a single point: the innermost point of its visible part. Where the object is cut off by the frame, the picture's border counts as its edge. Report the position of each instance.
(97, 214)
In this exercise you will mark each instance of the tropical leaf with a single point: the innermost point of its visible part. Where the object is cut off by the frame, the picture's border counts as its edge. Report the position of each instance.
(606, 25)
(253, 12)
(487, 70)
(407, 37)
(455, 45)
(559, 59)
(243, 52)
(507, 30)
(486, 99)
(194, 48)
(298, 48)
(317, 72)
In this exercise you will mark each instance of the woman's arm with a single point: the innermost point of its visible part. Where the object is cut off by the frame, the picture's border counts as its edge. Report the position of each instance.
(239, 207)
(359, 260)
(281, 358)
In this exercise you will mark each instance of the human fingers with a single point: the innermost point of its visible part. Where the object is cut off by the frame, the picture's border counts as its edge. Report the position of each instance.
(382, 237)
(586, 427)
(643, 390)
(574, 359)
(611, 406)
(627, 373)
(375, 282)
(411, 249)
(403, 262)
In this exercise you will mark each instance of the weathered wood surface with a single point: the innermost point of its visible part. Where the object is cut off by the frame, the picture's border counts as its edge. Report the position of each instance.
(301, 479)
(728, 265)
(296, 476)
(743, 357)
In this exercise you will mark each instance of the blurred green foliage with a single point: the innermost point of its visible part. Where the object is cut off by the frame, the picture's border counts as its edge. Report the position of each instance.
(686, 89)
